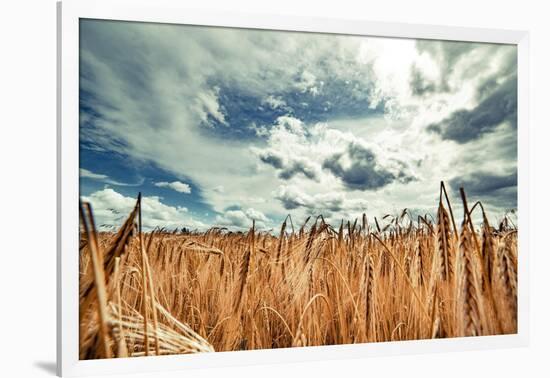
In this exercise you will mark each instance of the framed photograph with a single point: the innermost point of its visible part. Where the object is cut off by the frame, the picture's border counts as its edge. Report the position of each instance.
(237, 188)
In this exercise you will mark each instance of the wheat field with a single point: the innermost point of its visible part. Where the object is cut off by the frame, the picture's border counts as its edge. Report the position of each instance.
(368, 280)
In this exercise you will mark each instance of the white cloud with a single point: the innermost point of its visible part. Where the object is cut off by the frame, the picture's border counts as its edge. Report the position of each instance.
(91, 175)
(334, 202)
(175, 185)
(219, 189)
(275, 102)
(111, 209)
(85, 173)
(242, 219)
(307, 83)
(207, 105)
(260, 131)
(257, 215)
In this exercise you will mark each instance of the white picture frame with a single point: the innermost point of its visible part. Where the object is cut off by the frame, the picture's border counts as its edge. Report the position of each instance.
(69, 13)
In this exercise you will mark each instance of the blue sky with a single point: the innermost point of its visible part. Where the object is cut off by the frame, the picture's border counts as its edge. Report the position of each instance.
(219, 127)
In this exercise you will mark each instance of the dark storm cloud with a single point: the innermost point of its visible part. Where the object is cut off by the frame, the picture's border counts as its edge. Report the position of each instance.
(272, 159)
(364, 173)
(291, 201)
(419, 84)
(498, 190)
(288, 169)
(465, 125)
(318, 203)
(483, 183)
(298, 167)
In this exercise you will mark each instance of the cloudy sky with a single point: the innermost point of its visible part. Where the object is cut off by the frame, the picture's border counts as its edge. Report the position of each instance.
(219, 126)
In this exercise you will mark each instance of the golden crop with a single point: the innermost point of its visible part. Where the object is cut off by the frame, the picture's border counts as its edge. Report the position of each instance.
(172, 292)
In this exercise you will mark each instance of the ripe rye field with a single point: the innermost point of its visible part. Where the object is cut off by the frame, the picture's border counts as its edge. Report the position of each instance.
(171, 292)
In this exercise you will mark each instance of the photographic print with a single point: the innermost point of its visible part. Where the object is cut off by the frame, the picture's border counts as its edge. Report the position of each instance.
(250, 189)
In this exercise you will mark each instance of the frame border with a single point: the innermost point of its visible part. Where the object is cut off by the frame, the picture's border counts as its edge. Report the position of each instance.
(170, 11)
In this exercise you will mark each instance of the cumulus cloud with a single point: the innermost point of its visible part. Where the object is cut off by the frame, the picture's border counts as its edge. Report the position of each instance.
(288, 167)
(272, 159)
(112, 208)
(498, 189)
(293, 150)
(358, 168)
(242, 219)
(306, 83)
(284, 136)
(275, 102)
(175, 185)
(292, 198)
(259, 131)
(297, 166)
(465, 125)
